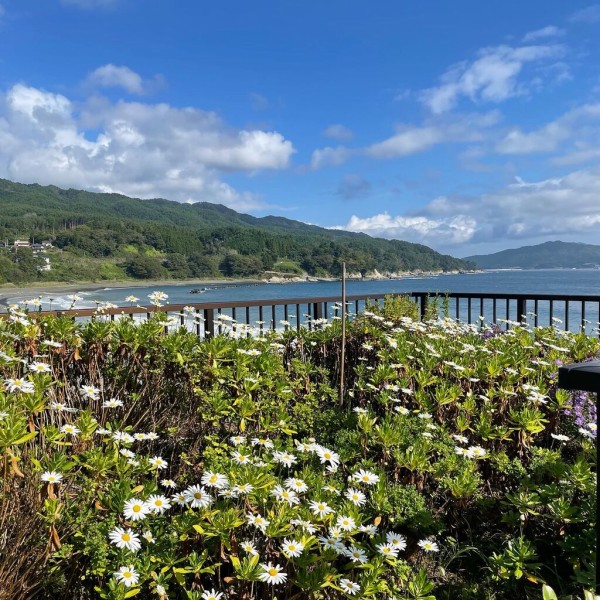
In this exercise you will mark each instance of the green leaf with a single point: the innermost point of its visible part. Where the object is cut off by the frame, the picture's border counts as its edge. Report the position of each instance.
(132, 593)
(548, 593)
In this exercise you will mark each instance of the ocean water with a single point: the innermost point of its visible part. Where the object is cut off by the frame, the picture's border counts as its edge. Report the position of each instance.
(552, 281)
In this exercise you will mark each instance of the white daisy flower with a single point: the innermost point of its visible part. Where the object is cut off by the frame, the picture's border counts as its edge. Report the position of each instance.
(112, 403)
(168, 483)
(298, 485)
(264, 442)
(326, 455)
(356, 554)
(197, 497)
(158, 463)
(216, 480)
(241, 459)
(243, 488)
(89, 391)
(147, 535)
(135, 509)
(366, 477)
(158, 503)
(249, 548)
(387, 550)
(321, 509)
(258, 521)
(349, 587)
(284, 458)
(127, 576)
(272, 574)
(428, 545)
(125, 538)
(370, 530)
(355, 496)
(51, 477)
(70, 429)
(396, 540)
(292, 548)
(345, 523)
(284, 495)
(39, 367)
(211, 595)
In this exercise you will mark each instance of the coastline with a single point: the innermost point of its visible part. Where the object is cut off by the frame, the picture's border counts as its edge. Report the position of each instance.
(58, 288)
(9, 292)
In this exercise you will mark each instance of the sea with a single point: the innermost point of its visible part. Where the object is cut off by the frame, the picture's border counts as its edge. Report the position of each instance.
(542, 281)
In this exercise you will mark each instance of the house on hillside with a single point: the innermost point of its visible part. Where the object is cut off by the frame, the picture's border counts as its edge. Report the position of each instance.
(21, 244)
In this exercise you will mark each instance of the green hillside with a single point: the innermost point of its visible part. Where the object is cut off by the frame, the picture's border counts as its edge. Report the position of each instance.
(110, 237)
(549, 255)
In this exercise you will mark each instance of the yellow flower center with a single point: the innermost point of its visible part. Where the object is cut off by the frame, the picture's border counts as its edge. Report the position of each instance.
(197, 495)
(213, 478)
(126, 537)
(292, 548)
(327, 455)
(158, 502)
(136, 508)
(273, 572)
(127, 574)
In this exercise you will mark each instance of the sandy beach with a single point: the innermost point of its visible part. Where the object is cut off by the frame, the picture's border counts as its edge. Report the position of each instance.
(9, 293)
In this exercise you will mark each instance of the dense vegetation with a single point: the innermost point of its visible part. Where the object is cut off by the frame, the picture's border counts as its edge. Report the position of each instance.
(109, 237)
(549, 255)
(141, 462)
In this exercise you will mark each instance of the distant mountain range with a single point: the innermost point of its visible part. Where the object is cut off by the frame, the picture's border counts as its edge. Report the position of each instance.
(97, 237)
(549, 255)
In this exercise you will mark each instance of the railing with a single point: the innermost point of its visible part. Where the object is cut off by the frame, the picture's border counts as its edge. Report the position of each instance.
(569, 312)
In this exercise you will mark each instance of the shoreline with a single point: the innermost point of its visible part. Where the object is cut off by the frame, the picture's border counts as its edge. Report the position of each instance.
(10, 292)
(58, 288)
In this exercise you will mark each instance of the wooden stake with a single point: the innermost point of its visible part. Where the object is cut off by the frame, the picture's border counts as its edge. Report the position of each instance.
(343, 351)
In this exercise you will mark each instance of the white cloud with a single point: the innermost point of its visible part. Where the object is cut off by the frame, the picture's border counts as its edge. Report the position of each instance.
(140, 149)
(326, 157)
(573, 125)
(109, 76)
(591, 14)
(408, 141)
(545, 32)
(338, 132)
(412, 139)
(561, 207)
(492, 77)
(421, 229)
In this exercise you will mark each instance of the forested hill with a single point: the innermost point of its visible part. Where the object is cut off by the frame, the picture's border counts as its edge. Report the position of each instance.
(549, 255)
(110, 236)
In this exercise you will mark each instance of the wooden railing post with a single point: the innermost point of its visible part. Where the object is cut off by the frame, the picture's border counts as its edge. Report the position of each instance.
(209, 322)
(521, 310)
(317, 310)
(423, 298)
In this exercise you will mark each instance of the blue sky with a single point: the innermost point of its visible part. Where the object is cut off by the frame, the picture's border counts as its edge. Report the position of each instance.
(467, 126)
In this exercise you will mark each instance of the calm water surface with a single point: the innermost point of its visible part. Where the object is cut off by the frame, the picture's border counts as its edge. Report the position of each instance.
(555, 281)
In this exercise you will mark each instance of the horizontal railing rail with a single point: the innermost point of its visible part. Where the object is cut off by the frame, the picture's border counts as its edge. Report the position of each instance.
(577, 312)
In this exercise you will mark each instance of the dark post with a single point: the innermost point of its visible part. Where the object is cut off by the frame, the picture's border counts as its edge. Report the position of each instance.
(209, 322)
(317, 310)
(521, 310)
(423, 306)
(586, 378)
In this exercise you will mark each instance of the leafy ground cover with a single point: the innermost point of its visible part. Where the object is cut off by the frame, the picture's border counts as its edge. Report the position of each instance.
(138, 462)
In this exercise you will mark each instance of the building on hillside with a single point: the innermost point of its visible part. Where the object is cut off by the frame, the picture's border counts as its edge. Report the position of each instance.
(21, 244)
(45, 266)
